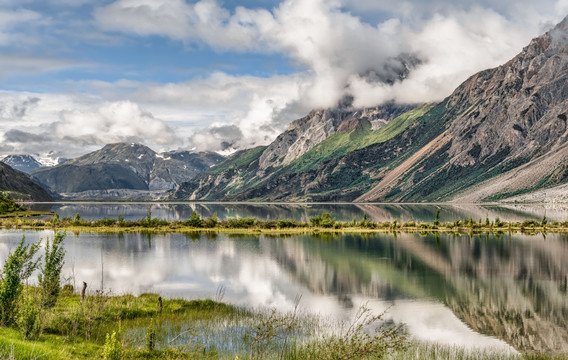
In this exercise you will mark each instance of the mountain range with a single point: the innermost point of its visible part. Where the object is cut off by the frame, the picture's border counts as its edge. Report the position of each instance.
(501, 134)
(123, 171)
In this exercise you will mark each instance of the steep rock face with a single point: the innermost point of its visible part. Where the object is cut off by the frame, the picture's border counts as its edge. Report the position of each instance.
(304, 134)
(18, 186)
(501, 119)
(124, 166)
(23, 163)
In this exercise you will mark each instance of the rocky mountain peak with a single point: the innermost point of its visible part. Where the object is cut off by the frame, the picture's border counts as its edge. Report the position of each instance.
(24, 163)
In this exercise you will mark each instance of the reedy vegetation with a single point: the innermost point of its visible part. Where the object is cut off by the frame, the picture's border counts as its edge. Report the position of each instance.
(324, 222)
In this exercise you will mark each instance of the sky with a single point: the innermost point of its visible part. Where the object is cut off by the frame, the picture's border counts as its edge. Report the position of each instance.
(213, 75)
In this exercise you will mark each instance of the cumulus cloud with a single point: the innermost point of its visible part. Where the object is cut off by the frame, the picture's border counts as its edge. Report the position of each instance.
(36, 124)
(404, 57)
(113, 122)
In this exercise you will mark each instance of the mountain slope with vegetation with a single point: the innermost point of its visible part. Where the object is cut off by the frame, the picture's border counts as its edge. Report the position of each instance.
(500, 134)
(16, 185)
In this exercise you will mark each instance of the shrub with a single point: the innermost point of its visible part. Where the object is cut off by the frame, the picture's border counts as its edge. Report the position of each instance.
(28, 319)
(285, 223)
(324, 220)
(194, 220)
(211, 222)
(112, 349)
(241, 222)
(50, 276)
(19, 267)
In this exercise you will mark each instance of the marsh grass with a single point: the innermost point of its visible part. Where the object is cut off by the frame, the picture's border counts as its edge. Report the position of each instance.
(322, 223)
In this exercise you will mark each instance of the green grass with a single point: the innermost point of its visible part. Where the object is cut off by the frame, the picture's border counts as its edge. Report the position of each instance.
(8, 206)
(239, 160)
(339, 144)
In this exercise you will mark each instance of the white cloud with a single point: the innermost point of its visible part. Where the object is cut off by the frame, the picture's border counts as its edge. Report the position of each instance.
(561, 7)
(121, 121)
(74, 125)
(452, 48)
(339, 53)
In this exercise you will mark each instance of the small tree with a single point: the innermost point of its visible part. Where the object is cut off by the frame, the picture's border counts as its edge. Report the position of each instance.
(18, 268)
(194, 221)
(437, 218)
(50, 276)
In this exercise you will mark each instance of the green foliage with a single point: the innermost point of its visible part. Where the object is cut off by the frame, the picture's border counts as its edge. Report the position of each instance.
(28, 318)
(50, 276)
(211, 221)
(437, 218)
(324, 220)
(239, 160)
(112, 349)
(544, 221)
(18, 267)
(55, 219)
(150, 337)
(194, 220)
(285, 223)
(241, 223)
(77, 219)
(8, 206)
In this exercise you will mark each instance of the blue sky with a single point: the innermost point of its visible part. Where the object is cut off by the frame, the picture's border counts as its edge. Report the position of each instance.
(224, 75)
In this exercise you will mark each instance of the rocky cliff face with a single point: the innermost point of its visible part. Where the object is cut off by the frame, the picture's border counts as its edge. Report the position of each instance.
(123, 167)
(18, 186)
(304, 134)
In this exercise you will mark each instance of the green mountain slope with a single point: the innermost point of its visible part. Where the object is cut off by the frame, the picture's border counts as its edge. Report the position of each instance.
(16, 185)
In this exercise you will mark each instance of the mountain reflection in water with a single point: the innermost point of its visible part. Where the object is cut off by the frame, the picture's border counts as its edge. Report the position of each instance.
(342, 212)
(469, 291)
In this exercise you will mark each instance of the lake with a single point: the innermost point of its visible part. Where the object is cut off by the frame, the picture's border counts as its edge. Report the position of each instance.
(506, 292)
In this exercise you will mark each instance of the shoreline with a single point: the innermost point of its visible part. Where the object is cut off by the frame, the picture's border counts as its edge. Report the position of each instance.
(253, 226)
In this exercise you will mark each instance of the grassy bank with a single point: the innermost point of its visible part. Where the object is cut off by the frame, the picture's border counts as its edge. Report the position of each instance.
(206, 329)
(323, 223)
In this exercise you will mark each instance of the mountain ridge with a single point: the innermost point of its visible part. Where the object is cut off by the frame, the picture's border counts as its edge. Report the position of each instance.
(123, 166)
(495, 123)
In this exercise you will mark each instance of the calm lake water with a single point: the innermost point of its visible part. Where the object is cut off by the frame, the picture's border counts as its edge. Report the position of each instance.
(507, 292)
(343, 212)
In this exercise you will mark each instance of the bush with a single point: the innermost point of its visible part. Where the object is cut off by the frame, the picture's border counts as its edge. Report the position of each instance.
(324, 220)
(50, 276)
(19, 267)
(28, 319)
(211, 222)
(285, 223)
(112, 349)
(194, 221)
(241, 223)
